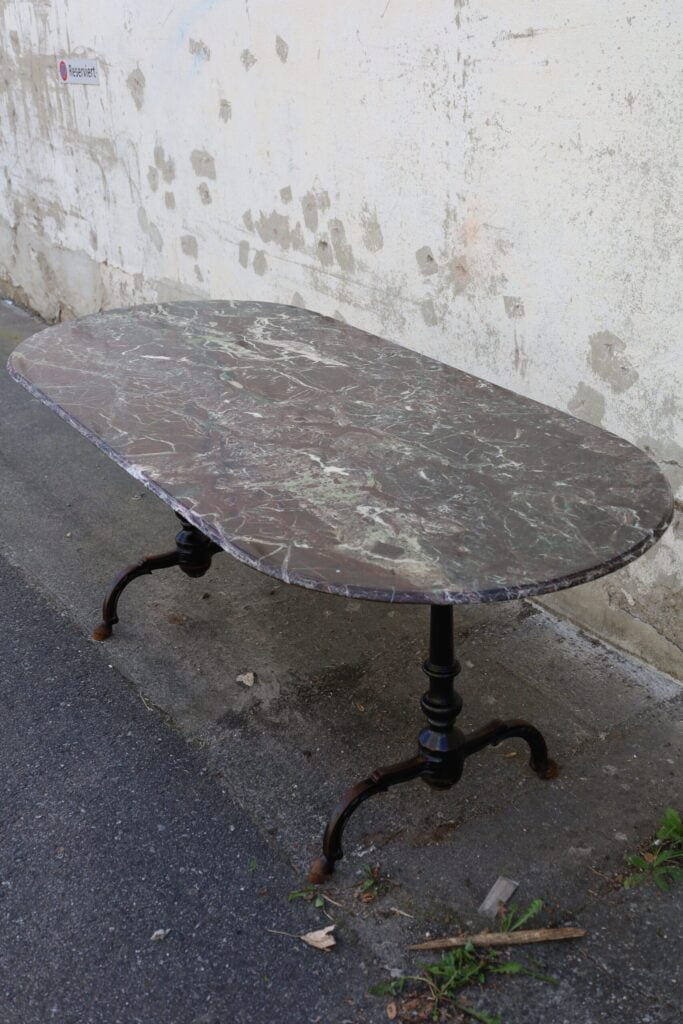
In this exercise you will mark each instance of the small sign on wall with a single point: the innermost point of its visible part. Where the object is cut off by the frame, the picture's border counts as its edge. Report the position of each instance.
(76, 71)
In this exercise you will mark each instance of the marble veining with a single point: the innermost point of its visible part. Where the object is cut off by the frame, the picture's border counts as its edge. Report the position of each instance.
(333, 459)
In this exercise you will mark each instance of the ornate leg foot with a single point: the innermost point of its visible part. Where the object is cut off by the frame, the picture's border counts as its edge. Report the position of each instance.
(495, 732)
(378, 782)
(193, 554)
(442, 748)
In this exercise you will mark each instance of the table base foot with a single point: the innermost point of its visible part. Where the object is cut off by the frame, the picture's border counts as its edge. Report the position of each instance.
(193, 553)
(442, 748)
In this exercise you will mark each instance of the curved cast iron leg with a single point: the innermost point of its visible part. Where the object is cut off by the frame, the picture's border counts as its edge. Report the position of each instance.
(495, 732)
(378, 782)
(193, 554)
(141, 568)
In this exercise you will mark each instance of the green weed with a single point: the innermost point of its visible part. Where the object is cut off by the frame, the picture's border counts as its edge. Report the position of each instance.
(663, 862)
(459, 968)
(372, 885)
(311, 894)
(512, 919)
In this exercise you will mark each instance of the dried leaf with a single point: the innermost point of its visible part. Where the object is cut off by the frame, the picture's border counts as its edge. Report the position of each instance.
(321, 939)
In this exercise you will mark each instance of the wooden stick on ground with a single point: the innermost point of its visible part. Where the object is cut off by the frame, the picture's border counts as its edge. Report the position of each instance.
(519, 938)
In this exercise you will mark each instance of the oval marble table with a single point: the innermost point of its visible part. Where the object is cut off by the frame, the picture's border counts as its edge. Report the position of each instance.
(333, 459)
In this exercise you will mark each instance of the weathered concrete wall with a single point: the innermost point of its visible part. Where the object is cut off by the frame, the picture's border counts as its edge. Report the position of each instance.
(495, 184)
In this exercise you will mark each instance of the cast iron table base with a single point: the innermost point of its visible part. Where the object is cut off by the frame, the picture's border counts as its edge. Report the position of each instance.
(442, 748)
(192, 554)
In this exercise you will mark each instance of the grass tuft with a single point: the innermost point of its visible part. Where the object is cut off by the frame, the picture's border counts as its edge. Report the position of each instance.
(663, 862)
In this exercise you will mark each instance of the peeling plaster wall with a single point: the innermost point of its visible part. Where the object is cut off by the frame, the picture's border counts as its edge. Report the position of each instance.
(497, 185)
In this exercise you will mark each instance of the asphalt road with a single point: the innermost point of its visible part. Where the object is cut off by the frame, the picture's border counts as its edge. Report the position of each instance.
(110, 830)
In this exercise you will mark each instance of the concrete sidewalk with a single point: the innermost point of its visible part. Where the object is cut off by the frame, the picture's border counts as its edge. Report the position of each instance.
(337, 684)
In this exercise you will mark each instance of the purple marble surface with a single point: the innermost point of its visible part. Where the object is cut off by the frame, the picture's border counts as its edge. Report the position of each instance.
(336, 460)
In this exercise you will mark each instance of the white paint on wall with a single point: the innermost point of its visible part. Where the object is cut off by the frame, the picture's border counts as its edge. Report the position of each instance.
(496, 185)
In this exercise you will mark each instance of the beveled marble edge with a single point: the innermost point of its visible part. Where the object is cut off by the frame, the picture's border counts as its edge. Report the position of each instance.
(522, 590)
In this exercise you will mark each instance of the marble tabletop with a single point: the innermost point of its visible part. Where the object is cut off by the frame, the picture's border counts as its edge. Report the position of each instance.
(333, 459)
